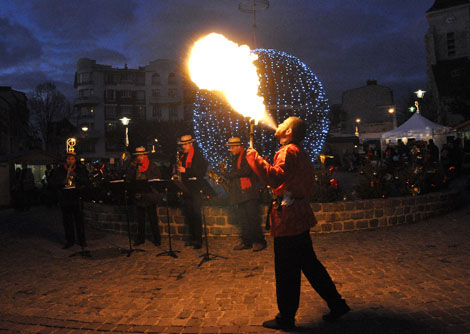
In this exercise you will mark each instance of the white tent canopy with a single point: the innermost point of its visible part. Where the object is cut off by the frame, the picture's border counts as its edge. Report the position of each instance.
(419, 128)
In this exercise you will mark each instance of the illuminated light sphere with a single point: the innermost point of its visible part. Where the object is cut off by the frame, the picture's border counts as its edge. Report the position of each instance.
(289, 88)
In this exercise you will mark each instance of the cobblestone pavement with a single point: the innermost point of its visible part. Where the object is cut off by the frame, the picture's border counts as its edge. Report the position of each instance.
(401, 279)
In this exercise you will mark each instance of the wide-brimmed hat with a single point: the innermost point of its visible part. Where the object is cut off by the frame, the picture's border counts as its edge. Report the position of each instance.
(140, 150)
(186, 139)
(234, 141)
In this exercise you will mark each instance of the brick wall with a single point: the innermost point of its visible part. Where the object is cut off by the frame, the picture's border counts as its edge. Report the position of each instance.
(332, 217)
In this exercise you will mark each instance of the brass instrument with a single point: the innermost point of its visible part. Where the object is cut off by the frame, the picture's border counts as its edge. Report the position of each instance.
(177, 175)
(219, 180)
(69, 179)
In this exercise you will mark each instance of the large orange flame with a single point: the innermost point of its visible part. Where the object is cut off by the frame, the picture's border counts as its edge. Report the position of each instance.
(218, 64)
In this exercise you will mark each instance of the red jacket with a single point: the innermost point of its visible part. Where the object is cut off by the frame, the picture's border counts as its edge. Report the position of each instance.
(292, 171)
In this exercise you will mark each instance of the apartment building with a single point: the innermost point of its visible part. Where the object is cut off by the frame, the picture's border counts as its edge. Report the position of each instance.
(106, 94)
(448, 58)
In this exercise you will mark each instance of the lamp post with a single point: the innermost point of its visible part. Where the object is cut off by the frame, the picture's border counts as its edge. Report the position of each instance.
(125, 121)
(358, 120)
(392, 112)
(420, 94)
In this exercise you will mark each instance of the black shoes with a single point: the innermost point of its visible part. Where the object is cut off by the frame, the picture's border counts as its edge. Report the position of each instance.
(259, 247)
(138, 242)
(67, 245)
(280, 323)
(337, 312)
(241, 246)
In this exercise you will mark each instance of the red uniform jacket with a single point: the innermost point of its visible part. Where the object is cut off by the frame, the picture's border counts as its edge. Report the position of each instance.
(292, 171)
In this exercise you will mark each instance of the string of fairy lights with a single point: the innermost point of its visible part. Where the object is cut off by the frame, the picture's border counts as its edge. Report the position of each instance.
(289, 88)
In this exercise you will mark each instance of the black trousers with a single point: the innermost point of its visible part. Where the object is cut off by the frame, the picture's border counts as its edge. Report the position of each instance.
(247, 214)
(151, 212)
(72, 216)
(192, 217)
(293, 255)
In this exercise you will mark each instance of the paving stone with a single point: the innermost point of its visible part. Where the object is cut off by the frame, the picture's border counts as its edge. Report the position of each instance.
(402, 278)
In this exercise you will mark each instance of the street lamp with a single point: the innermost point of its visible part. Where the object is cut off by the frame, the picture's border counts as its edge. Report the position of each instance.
(393, 113)
(84, 128)
(420, 94)
(358, 120)
(125, 121)
(153, 145)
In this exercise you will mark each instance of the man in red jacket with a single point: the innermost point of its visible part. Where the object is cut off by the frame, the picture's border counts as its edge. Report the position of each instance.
(291, 178)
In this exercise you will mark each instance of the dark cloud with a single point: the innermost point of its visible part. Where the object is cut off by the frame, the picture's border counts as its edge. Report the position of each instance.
(84, 19)
(106, 56)
(17, 44)
(343, 42)
(27, 82)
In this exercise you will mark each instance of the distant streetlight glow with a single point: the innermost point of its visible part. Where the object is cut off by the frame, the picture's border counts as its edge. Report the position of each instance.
(358, 120)
(391, 110)
(84, 128)
(420, 93)
(125, 121)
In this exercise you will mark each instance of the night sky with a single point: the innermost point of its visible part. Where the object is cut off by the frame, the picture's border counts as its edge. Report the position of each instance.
(345, 42)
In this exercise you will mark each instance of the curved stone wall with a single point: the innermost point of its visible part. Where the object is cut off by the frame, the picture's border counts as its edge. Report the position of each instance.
(332, 217)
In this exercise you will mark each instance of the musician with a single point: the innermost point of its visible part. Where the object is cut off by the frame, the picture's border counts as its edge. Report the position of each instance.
(146, 196)
(192, 167)
(68, 180)
(291, 178)
(245, 198)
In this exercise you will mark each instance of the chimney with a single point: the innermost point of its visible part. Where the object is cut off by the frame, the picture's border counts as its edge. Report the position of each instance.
(371, 82)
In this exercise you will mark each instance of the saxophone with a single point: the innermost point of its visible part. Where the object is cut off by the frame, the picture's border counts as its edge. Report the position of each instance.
(177, 175)
(69, 179)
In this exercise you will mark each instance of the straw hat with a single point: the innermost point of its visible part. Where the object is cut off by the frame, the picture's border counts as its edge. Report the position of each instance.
(186, 139)
(234, 141)
(140, 150)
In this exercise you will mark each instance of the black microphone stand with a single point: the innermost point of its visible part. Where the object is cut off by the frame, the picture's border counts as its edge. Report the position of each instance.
(126, 201)
(169, 252)
(207, 256)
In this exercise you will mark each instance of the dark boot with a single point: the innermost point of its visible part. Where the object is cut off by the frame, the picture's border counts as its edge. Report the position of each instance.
(285, 324)
(337, 312)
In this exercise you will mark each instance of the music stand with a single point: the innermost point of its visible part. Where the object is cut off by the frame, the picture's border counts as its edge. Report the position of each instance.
(83, 252)
(204, 188)
(126, 201)
(166, 186)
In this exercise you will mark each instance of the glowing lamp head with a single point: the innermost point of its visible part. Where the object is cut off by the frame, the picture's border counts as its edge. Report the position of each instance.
(391, 110)
(358, 120)
(125, 121)
(420, 93)
(84, 128)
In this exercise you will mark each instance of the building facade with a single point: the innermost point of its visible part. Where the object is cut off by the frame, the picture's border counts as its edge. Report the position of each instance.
(14, 119)
(366, 110)
(448, 59)
(106, 94)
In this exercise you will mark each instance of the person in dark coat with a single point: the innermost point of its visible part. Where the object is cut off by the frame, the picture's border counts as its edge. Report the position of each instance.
(146, 196)
(245, 198)
(69, 179)
(192, 168)
(291, 179)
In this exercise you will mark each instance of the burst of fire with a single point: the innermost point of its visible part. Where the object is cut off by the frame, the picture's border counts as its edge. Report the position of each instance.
(217, 64)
